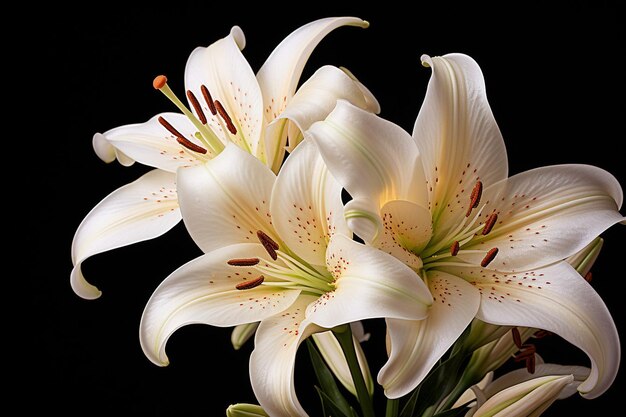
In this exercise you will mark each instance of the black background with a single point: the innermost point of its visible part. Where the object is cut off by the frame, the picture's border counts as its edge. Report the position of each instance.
(555, 83)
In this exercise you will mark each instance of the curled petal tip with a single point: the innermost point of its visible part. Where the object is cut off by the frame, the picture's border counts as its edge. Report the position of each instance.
(81, 287)
(426, 61)
(238, 36)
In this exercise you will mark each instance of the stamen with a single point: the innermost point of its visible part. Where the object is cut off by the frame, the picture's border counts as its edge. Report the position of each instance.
(208, 99)
(489, 257)
(159, 82)
(454, 249)
(208, 136)
(540, 334)
(194, 102)
(477, 192)
(530, 364)
(270, 246)
(246, 285)
(243, 262)
(588, 276)
(517, 337)
(229, 123)
(170, 128)
(491, 221)
(190, 145)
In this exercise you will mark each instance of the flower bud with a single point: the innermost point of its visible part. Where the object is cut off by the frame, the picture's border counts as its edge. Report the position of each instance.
(242, 333)
(245, 410)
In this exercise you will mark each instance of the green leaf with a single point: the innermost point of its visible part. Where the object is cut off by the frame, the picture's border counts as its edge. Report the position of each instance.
(328, 385)
(409, 408)
(330, 409)
(440, 382)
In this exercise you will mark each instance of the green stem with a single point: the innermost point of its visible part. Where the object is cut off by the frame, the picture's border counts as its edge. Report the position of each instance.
(343, 334)
(393, 406)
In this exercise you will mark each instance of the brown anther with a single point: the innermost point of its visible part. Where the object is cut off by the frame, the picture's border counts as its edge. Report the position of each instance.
(454, 249)
(588, 276)
(194, 102)
(525, 352)
(530, 364)
(491, 221)
(170, 128)
(540, 334)
(190, 145)
(246, 285)
(159, 82)
(489, 257)
(517, 338)
(229, 122)
(243, 262)
(477, 192)
(208, 99)
(270, 246)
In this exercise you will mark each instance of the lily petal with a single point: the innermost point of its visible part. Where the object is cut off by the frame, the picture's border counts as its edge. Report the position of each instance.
(141, 210)
(375, 160)
(313, 101)
(273, 359)
(151, 144)
(306, 205)
(226, 200)
(279, 75)
(548, 214)
(203, 291)
(416, 346)
(368, 284)
(224, 71)
(458, 138)
(556, 299)
(407, 229)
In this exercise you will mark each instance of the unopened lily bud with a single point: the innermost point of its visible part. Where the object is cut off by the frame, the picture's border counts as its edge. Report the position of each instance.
(333, 355)
(520, 394)
(245, 410)
(242, 333)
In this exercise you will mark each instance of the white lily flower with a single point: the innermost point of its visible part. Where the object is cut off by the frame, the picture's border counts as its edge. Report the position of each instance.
(521, 394)
(306, 274)
(230, 104)
(487, 246)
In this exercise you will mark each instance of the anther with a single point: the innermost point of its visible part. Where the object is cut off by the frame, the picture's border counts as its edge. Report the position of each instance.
(454, 249)
(170, 128)
(491, 221)
(489, 257)
(229, 123)
(270, 246)
(159, 82)
(190, 145)
(194, 102)
(243, 262)
(246, 285)
(208, 99)
(477, 192)
(540, 334)
(588, 276)
(517, 338)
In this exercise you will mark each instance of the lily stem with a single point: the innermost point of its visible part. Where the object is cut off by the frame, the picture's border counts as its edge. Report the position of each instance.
(343, 334)
(393, 406)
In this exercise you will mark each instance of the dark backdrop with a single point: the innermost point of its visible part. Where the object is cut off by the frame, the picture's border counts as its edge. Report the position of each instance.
(555, 82)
